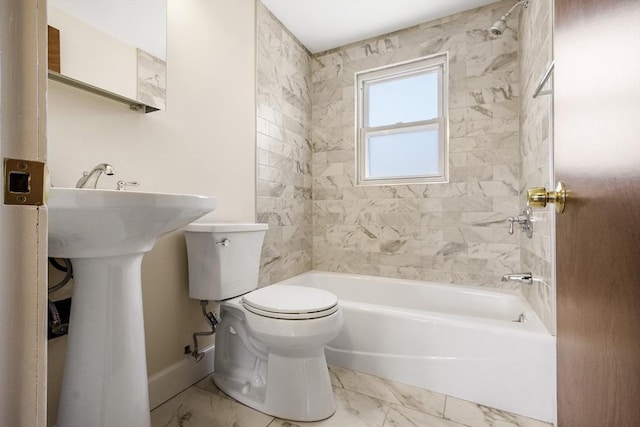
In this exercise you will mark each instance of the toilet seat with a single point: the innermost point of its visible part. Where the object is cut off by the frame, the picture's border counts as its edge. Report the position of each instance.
(290, 302)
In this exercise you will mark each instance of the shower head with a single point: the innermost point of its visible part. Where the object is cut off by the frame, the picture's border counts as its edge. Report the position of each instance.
(500, 25)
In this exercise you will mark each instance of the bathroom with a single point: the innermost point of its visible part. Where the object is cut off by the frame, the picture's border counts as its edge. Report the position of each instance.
(300, 182)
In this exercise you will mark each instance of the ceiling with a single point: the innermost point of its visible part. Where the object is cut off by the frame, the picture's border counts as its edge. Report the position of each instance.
(326, 24)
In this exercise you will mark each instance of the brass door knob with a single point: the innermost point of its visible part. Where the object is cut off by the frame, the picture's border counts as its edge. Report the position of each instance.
(538, 197)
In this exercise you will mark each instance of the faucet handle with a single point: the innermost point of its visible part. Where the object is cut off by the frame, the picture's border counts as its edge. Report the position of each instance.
(122, 185)
(524, 220)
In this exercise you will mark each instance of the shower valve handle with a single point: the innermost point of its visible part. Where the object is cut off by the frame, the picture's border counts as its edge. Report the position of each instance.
(525, 221)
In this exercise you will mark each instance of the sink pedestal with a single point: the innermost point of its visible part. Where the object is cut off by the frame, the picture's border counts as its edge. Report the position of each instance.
(105, 381)
(106, 233)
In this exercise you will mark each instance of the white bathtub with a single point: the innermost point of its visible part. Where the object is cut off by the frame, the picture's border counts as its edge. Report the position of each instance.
(458, 340)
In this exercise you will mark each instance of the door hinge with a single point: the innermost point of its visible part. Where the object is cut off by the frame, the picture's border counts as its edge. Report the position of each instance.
(24, 182)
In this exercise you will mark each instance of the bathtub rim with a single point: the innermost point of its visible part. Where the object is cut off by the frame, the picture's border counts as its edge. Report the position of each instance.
(533, 325)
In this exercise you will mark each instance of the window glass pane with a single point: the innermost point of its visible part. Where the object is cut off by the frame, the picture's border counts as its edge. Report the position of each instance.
(411, 153)
(404, 99)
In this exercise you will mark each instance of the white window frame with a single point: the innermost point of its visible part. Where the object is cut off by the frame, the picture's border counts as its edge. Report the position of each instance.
(438, 62)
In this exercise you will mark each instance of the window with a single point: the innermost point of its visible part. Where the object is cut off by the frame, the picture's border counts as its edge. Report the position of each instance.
(402, 123)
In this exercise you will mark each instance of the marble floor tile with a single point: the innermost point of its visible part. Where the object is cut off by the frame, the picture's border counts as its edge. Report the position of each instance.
(362, 383)
(405, 417)
(353, 410)
(475, 415)
(196, 407)
(396, 393)
(362, 401)
(208, 385)
(419, 399)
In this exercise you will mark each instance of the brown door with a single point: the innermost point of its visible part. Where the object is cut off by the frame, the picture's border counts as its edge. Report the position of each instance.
(597, 155)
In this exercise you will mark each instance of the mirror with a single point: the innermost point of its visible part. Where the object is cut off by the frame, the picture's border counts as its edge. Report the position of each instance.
(116, 48)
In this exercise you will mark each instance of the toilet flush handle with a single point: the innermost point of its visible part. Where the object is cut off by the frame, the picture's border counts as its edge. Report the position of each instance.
(224, 242)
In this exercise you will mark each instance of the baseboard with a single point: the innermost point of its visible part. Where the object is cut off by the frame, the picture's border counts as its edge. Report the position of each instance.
(172, 380)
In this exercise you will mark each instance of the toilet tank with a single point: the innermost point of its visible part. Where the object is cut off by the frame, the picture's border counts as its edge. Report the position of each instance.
(224, 259)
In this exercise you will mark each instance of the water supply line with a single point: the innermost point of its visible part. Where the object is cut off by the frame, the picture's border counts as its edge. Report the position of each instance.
(57, 327)
(212, 320)
(67, 269)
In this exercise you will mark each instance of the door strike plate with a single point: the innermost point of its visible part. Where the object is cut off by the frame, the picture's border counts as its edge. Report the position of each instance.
(23, 182)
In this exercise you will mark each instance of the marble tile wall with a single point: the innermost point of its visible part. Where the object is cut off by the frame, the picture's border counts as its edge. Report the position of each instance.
(454, 232)
(536, 125)
(151, 83)
(283, 149)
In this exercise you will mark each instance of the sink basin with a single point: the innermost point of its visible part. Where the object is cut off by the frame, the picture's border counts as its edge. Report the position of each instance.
(106, 233)
(88, 223)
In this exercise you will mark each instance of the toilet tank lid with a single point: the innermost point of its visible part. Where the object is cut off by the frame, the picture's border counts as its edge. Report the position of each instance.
(224, 227)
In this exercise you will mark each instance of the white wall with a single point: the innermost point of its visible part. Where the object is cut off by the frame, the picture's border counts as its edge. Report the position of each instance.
(203, 143)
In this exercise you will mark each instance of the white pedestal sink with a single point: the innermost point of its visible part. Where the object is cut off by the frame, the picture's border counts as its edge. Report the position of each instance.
(106, 233)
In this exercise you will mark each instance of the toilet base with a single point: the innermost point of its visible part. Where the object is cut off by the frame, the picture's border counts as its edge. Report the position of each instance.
(296, 388)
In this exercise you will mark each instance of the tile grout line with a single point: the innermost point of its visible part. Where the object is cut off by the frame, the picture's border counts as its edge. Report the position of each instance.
(444, 410)
(273, 420)
(386, 414)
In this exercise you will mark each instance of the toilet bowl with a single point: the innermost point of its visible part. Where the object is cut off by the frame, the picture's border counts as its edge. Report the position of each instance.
(269, 344)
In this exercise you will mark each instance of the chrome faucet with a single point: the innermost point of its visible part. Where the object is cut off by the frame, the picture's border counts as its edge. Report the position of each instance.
(524, 220)
(90, 179)
(524, 278)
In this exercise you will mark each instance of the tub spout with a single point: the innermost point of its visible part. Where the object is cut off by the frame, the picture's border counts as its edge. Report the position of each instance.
(524, 278)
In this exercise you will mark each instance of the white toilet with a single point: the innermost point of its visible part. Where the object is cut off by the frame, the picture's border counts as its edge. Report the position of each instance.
(270, 342)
